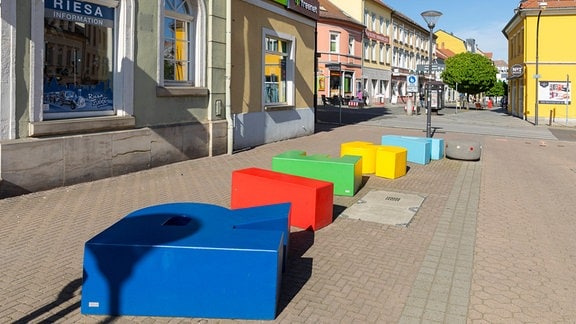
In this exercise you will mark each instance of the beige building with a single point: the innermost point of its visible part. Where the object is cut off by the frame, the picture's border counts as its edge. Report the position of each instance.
(272, 70)
(411, 49)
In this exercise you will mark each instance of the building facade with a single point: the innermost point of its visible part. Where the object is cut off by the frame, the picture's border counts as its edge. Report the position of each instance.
(542, 63)
(376, 46)
(411, 49)
(448, 41)
(339, 54)
(272, 70)
(98, 88)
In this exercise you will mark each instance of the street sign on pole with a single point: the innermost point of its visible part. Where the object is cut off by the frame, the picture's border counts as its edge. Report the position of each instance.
(412, 83)
(424, 68)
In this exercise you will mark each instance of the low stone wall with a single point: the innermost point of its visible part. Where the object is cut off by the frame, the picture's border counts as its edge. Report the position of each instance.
(36, 164)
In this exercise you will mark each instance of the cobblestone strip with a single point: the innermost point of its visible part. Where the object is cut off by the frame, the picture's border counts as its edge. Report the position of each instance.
(442, 288)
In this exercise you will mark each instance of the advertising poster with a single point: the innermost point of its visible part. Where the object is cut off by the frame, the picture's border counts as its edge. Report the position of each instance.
(554, 92)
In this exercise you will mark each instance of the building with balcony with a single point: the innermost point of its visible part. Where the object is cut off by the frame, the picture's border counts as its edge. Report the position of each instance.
(541, 61)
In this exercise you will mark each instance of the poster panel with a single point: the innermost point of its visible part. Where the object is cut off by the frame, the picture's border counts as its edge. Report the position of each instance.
(554, 92)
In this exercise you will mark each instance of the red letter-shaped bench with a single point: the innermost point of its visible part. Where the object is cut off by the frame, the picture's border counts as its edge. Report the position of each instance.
(311, 200)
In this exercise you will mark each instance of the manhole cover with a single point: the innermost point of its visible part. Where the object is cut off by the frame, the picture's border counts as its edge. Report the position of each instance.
(385, 207)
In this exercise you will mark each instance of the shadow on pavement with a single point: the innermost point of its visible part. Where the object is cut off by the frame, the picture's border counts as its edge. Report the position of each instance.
(299, 270)
(65, 295)
(346, 116)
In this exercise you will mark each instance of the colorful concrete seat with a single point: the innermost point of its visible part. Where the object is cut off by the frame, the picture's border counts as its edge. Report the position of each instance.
(188, 260)
(466, 150)
(437, 148)
(391, 161)
(366, 150)
(311, 200)
(419, 149)
(344, 172)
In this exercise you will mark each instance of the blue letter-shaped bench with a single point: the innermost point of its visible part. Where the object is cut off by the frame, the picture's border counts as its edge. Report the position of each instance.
(188, 260)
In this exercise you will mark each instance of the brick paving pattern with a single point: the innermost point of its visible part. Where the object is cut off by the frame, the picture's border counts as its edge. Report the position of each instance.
(492, 242)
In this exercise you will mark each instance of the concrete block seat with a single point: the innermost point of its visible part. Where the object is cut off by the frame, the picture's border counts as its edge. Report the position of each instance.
(419, 148)
(344, 172)
(463, 150)
(188, 260)
(391, 161)
(366, 150)
(437, 148)
(311, 200)
(383, 160)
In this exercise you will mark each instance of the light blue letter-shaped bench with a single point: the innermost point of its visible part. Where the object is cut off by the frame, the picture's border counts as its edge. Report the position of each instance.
(419, 148)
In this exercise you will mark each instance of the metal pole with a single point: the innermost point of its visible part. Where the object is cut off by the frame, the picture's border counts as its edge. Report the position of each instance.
(429, 101)
(340, 95)
(536, 75)
(567, 93)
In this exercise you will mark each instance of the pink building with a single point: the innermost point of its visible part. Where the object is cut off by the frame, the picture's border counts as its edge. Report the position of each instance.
(339, 51)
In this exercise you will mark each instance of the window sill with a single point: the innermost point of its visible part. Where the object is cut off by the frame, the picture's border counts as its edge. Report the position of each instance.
(182, 92)
(278, 107)
(80, 125)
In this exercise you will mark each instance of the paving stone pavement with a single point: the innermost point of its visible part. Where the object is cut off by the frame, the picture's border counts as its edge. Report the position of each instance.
(492, 242)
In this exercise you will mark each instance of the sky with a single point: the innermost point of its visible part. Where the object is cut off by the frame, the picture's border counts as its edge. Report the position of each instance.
(482, 20)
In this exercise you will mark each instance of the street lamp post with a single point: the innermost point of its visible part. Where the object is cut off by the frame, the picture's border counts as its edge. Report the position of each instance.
(542, 6)
(431, 17)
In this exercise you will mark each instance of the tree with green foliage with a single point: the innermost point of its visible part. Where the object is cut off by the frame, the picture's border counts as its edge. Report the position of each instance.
(473, 73)
(499, 89)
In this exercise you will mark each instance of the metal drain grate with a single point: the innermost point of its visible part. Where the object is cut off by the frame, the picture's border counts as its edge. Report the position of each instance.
(385, 207)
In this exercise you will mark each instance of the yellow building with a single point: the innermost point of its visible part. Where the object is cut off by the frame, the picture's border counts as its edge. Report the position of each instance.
(542, 62)
(448, 41)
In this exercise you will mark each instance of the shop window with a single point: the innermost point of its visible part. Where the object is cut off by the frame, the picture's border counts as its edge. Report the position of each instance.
(182, 50)
(278, 70)
(78, 67)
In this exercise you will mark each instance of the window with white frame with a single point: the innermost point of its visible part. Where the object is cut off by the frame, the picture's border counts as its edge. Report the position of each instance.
(366, 51)
(374, 47)
(279, 65)
(182, 40)
(334, 42)
(382, 26)
(374, 22)
(351, 41)
(382, 54)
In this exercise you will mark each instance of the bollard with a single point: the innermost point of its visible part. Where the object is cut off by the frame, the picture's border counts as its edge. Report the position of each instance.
(409, 107)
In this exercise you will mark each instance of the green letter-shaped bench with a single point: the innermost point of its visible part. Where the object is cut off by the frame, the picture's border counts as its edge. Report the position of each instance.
(344, 172)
